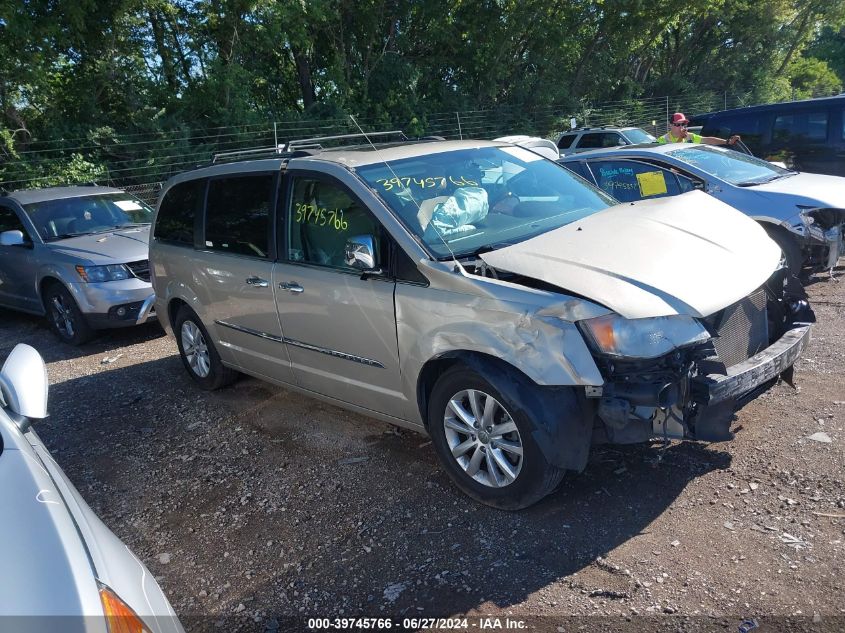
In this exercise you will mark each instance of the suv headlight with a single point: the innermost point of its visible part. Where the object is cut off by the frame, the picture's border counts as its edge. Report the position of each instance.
(614, 335)
(112, 272)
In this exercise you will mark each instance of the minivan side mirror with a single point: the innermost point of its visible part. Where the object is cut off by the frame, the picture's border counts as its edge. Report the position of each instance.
(360, 252)
(24, 383)
(12, 238)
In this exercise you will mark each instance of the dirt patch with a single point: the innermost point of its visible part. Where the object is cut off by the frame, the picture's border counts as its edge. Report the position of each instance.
(262, 503)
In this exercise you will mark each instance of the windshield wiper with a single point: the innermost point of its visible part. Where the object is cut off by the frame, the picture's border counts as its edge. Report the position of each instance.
(64, 236)
(751, 183)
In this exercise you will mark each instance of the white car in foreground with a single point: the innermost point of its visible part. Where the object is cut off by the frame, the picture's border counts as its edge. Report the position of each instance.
(62, 569)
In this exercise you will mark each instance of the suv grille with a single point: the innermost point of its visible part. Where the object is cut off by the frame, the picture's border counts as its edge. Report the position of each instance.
(140, 269)
(742, 329)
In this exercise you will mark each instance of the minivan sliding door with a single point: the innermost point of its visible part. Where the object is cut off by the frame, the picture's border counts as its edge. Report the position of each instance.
(236, 266)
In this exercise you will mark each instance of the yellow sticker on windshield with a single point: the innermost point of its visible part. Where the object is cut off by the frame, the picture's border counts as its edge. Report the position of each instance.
(652, 183)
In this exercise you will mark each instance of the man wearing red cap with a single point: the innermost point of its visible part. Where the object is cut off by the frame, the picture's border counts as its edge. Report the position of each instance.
(678, 134)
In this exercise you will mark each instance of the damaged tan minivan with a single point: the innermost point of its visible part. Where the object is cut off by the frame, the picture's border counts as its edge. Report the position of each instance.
(477, 292)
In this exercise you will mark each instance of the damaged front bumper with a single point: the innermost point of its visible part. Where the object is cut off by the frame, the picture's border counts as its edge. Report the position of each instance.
(758, 370)
(691, 394)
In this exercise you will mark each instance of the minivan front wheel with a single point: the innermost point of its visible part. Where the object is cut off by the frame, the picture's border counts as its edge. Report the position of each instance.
(199, 356)
(485, 442)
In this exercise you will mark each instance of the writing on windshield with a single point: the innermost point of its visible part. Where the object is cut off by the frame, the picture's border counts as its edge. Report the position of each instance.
(465, 201)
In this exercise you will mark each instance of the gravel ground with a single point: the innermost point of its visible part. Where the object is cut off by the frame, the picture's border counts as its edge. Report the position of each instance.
(252, 505)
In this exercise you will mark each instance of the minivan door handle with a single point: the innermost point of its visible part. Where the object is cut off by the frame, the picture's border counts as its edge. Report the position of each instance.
(291, 286)
(258, 282)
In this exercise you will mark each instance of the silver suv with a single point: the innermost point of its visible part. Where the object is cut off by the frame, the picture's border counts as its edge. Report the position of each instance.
(583, 139)
(477, 292)
(78, 255)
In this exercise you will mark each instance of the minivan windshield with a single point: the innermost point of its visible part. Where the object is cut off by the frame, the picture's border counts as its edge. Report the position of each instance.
(733, 167)
(69, 217)
(467, 201)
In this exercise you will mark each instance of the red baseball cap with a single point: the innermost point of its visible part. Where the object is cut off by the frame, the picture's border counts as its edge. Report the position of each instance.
(679, 117)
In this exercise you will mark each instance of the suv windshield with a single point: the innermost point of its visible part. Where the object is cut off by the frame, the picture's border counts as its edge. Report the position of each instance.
(733, 167)
(466, 201)
(637, 136)
(67, 217)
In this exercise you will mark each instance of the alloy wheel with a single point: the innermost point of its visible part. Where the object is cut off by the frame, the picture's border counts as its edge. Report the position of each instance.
(62, 316)
(195, 349)
(483, 438)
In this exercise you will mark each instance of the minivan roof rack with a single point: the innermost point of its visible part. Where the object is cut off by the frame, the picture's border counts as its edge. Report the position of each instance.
(287, 150)
(316, 142)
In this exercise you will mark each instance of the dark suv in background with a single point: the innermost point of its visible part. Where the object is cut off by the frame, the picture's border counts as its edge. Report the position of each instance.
(805, 135)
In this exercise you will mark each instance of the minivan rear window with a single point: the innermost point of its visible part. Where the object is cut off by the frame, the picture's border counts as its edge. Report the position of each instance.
(177, 211)
(237, 217)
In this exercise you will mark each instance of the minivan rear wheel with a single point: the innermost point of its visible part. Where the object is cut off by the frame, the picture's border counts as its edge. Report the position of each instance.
(485, 442)
(199, 356)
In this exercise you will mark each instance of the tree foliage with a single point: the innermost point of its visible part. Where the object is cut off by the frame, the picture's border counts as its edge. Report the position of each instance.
(73, 68)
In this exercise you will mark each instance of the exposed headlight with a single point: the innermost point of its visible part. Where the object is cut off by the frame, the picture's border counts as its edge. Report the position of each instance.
(112, 272)
(642, 338)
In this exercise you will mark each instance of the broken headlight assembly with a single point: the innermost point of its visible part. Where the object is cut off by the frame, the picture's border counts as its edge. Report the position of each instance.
(613, 335)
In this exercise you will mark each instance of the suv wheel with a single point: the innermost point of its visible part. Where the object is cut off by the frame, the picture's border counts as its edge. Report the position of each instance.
(65, 317)
(198, 353)
(485, 442)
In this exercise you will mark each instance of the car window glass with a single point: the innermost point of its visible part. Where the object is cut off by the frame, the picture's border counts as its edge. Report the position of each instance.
(9, 221)
(817, 126)
(578, 167)
(612, 140)
(320, 219)
(685, 183)
(842, 117)
(84, 215)
(177, 211)
(566, 140)
(639, 136)
(237, 217)
(459, 201)
(749, 127)
(730, 166)
(800, 127)
(594, 139)
(628, 181)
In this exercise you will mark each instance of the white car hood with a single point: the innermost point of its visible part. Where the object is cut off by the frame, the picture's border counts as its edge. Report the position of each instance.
(817, 190)
(689, 254)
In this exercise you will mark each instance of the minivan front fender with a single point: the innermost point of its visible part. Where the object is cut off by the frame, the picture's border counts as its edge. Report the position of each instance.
(430, 324)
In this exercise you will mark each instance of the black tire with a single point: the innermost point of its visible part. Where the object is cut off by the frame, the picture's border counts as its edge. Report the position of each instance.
(535, 478)
(65, 317)
(791, 251)
(211, 374)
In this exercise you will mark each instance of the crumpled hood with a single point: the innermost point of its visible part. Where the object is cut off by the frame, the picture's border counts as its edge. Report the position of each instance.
(689, 254)
(813, 190)
(113, 247)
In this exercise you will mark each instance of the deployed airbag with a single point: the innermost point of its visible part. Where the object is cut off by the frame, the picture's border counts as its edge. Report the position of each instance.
(459, 212)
